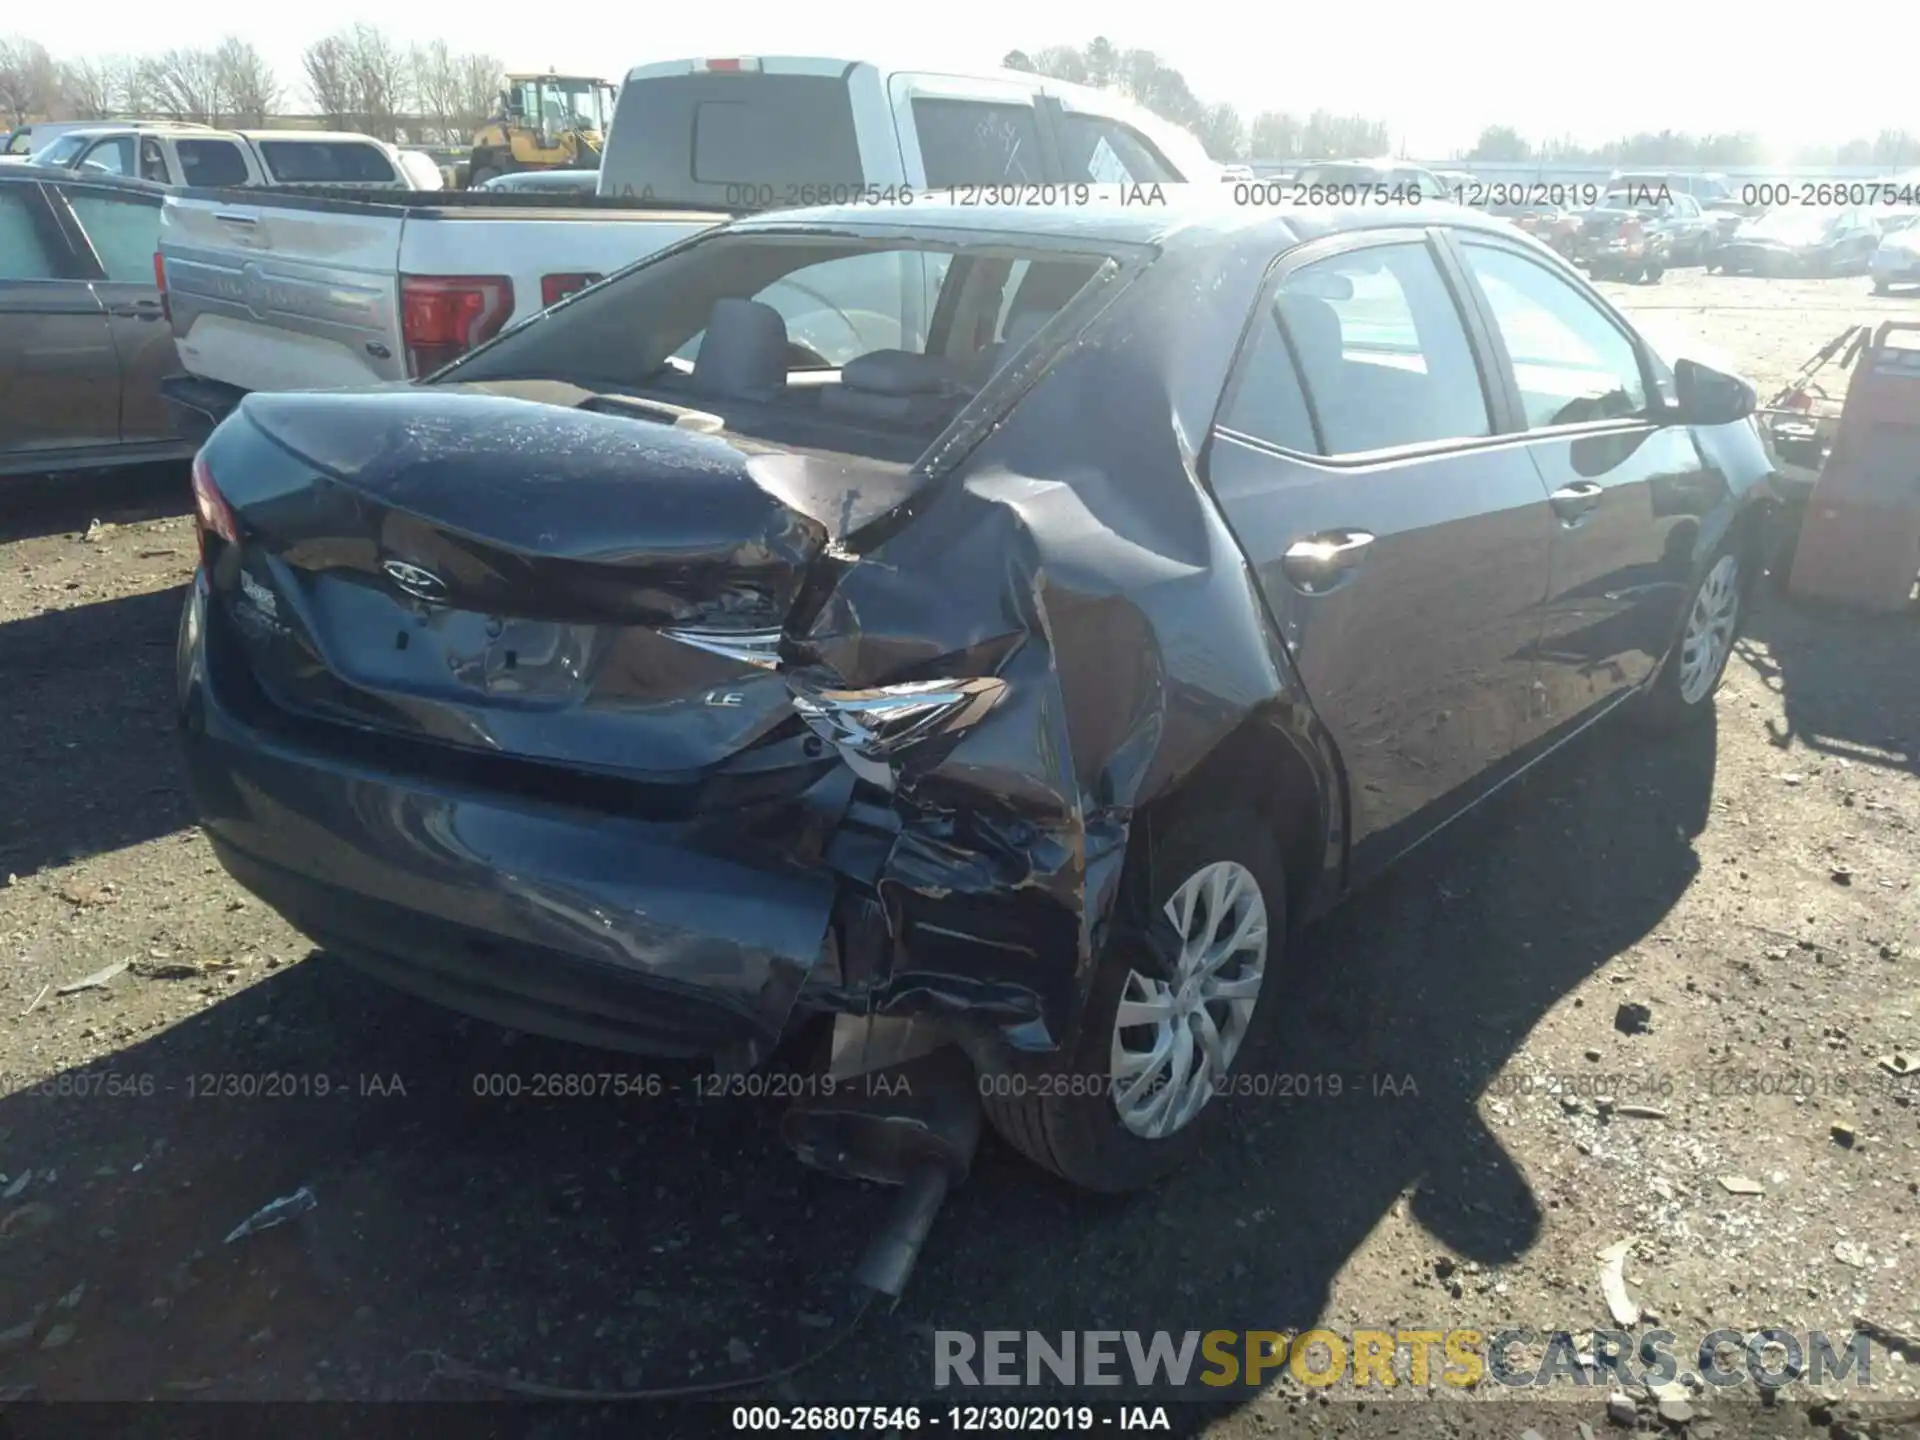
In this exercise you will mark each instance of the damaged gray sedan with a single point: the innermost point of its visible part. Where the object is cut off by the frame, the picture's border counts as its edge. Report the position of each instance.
(981, 633)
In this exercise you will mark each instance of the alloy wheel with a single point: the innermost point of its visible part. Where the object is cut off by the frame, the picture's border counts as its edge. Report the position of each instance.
(1708, 638)
(1175, 1039)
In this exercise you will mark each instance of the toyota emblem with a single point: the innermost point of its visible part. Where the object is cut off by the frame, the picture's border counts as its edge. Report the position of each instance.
(421, 584)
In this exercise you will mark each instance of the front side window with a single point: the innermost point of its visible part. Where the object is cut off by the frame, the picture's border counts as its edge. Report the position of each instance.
(1380, 345)
(971, 142)
(1572, 364)
(125, 232)
(113, 157)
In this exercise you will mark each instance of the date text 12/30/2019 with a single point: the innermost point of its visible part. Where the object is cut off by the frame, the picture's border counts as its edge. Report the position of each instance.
(959, 1419)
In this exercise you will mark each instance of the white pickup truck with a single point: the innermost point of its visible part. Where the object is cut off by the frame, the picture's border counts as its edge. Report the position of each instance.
(286, 291)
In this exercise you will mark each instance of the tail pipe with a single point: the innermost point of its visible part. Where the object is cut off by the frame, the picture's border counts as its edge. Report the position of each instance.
(915, 1125)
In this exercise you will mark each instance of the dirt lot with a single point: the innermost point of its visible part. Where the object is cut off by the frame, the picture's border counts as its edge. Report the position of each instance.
(1751, 886)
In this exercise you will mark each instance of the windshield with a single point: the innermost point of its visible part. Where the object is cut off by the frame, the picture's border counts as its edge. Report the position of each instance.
(1793, 225)
(570, 104)
(61, 151)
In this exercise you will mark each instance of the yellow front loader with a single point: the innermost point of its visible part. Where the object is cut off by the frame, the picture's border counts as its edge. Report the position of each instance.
(545, 122)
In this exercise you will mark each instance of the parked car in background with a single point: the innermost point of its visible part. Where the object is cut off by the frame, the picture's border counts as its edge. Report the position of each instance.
(1705, 189)
(1033, 675)
(1555, 226)
(1616, 241)
(1688, 231)
(545, 182)
(1373, 175)
(1896, 260)
(421, 170)
(22, 143)
(779, 131)
(1796, 240)
(209, 159)
(381, 291)
(84, 344)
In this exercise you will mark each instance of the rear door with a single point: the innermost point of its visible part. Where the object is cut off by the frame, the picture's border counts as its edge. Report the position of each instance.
(120, 231)
(1401, 540)
(1627, 490)
(59, 380)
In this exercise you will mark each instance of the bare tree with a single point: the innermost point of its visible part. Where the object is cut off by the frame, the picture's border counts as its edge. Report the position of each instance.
(29, 80)
(436, 88)
(93, 89)
(186, 86)
(481, 79)
(248, 90)
(381, 83)
(328, 64)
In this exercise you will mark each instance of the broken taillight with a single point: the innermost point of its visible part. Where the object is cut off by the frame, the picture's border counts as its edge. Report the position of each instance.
(212, 514)
(442, 317)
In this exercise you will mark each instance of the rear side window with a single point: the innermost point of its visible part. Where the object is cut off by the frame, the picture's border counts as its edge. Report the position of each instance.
(24, 252)
(971, 142)
(211, 162)
(325, 162)
(744, 139)
(1381, 347)
(125, 232)
(1268, 402)
(1106, 152)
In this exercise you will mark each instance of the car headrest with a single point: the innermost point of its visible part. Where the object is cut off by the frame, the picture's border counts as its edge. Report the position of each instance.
(898, 372)
(744, 351)
(1315, 328)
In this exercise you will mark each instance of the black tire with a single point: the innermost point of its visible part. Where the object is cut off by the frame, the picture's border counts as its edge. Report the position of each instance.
(1652, 273)
(1668, 706)
(1062, 1114)
(1881, 287)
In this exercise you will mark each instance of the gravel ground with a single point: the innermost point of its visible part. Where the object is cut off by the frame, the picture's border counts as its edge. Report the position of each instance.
(1751, 886)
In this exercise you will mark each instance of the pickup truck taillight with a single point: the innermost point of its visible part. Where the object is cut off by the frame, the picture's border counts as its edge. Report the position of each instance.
(444, 316)
(160, 283)
(555, 288)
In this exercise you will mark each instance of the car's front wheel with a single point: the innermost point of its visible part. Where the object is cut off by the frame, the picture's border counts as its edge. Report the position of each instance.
(1167, 1027)
(1684, 691)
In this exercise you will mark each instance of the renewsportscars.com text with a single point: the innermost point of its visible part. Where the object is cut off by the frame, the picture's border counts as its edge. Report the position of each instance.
(1375, 1360)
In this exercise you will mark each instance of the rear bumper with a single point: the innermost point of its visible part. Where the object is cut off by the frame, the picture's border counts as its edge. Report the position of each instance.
(198, 406)
(597, 928)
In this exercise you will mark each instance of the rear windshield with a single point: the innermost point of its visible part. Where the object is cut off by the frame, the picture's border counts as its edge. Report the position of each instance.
(325, 162)
(843, 338)
(741, 139)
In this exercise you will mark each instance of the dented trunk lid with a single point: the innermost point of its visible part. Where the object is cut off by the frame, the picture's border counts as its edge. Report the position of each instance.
(526, 568)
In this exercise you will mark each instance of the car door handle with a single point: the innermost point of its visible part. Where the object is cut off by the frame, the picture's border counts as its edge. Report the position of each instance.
(1574, 501)
(139, 309)
(1320, 562)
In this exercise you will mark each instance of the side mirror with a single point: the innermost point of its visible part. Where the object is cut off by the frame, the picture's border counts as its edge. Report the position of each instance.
(1711, 397)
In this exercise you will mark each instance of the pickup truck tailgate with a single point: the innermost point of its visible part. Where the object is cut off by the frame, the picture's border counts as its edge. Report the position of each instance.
(280, 296)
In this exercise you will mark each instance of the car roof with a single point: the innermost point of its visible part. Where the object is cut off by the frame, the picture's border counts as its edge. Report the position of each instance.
(1197, 215)
(43, 175)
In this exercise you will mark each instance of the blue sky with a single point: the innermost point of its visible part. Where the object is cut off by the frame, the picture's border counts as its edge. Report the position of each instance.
(1435, 73)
